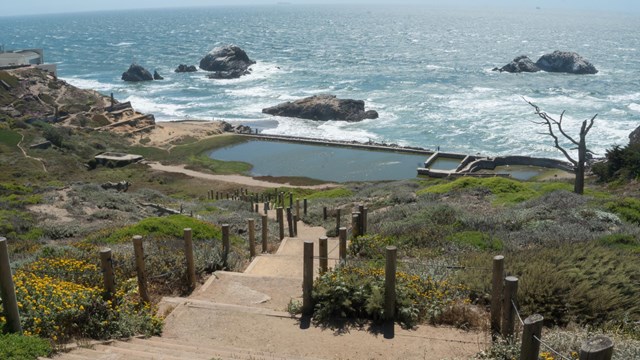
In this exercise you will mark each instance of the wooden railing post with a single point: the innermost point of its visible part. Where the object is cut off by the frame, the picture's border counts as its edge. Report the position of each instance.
(342, 233)
(280, 217)
(140, 269)
(265, 233)
(251, 224)
(508, 310)
(295, 225)
(531, 334)
(390, 284)
(496, 295)
(307, 278)
(365, 214)
(337, 221)
(108, 280)
(298, 208)
(290, 222)
(188, 252)
(598, 347)
(361, 219)
(355, 225)
(226, 244)
(324, 213)
(304, 206)
(323, 250)
(8, 290)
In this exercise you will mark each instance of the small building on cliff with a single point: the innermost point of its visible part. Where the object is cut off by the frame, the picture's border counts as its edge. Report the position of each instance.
(23, 58)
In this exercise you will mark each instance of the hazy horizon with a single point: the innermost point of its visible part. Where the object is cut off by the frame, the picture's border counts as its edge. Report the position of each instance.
(42, 7)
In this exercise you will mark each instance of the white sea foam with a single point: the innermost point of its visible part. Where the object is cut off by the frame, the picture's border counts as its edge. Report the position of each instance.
(162, 111)
(88, 84)
(120, 44)
(634, 107)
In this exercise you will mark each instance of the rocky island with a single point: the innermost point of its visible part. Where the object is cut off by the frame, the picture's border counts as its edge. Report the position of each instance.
(227, 62)
(557, 61)
(323, 107)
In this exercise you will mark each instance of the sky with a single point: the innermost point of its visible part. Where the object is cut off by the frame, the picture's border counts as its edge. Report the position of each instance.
(33, 7)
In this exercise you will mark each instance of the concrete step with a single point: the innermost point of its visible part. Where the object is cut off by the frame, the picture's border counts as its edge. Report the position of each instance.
(206, 351)
(249, 290)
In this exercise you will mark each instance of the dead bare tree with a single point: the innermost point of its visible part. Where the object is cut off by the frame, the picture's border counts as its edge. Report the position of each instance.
(581, 144)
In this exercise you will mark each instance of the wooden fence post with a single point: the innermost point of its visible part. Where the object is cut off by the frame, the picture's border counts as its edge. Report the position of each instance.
(298, 208)
(265, 232)
(307, 278)
(361, 219)
(531, 334)
(342, 244)
(508, 307)
(365, 215)
(251, 223)
(290, 200)
(142, 276)
(496, 295)
(257, 209)
(390, 284)
(225, 244)
(188, 252)
(355, 225)
(290, 222)
(324, 213)
(8, 290)
(266, 207)
(337, 221)
(295, 225)
(304, 206)
(280, 217)
(323, 250)
(598, 347)
(106, 264)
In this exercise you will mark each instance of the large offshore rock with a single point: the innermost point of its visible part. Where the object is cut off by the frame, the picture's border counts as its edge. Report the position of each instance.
(136, 73)
(566, 62)
(229, 58)
(323, 107)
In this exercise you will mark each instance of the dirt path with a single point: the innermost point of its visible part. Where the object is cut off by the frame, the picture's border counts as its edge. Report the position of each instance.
(236, 179)
(30, 157)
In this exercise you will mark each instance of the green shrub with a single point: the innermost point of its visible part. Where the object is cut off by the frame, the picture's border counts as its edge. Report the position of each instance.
(352, 294)
(627, 208)
(621, 163)
(370, 246)
(576, 283)
(165, 227)
(19, 347)
(330, 194)
(622, 241)
(505, 190)
(476, 240)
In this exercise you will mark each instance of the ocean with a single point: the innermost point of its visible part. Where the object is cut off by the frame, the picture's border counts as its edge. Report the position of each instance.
(426, 70)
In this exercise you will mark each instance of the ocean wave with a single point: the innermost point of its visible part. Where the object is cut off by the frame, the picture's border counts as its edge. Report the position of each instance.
(160, 109)
(121, 44)
(89, 84)
(635, 107)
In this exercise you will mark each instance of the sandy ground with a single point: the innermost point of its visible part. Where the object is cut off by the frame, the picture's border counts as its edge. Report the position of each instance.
(167, 134)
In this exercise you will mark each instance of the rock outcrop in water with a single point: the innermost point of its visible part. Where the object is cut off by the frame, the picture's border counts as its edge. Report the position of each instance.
(566, 62)
(228, 62)
(520, 64)
(634, 137)
(557, 61)
(323, 107)
(157, 76)
(136, 73)
(186, 68)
